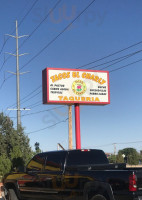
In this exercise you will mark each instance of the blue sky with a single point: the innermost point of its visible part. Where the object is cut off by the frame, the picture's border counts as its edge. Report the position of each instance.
(107, 26)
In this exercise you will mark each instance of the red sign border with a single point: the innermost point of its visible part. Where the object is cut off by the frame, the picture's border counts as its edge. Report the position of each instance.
(45, 90)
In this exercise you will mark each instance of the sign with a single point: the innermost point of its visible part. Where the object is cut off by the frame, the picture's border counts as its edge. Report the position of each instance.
(71, 86)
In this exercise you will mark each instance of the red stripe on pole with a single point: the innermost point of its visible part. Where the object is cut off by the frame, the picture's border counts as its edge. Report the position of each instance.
(77, 126)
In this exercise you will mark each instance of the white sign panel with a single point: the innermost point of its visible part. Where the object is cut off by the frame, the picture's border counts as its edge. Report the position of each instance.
(70, 86)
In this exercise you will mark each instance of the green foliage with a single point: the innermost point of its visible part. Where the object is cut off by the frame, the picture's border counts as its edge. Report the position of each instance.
(5, 165)
(116, 158)
(15, 150)
(131, 154)
(112, 159)
(37, 149)
(119, 158)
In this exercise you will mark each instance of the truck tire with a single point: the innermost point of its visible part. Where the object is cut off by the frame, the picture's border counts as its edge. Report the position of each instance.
(12, 195)
(98, 197)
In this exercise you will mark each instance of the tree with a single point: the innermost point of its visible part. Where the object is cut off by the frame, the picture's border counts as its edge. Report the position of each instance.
(5, 165)
(112, 159)
(14, 146)
(131, 154)
(37, 149)
(119, 158)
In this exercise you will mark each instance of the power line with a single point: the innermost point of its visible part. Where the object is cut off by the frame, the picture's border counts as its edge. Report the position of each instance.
(41, 22)
(33, 30)
(124, 57)
(117, 62)
(54, 39)
(29, 94)
(55, 108)
(129, 142)
(119, 58)
(31, 97)
(109, 55)
(48, 126)
(101, 69)
(34, 104)
(2, 84)
(125, 66)
(28, 12)
(5, 41)
(105, 145)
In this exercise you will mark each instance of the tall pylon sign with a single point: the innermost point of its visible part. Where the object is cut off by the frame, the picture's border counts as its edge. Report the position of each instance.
(75, 87)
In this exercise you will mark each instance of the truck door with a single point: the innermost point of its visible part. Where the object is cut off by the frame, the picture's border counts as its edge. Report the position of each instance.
(72, 178)
(52, 175)
(44, 177)
(30, 183)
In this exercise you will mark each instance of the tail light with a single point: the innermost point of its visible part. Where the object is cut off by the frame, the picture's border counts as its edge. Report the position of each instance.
(132, 183)
(85, 150)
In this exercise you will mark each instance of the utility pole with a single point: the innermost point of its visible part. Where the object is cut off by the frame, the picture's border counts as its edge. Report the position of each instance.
(70, 126)
(114, 150)
(18, 83)
(17, 75)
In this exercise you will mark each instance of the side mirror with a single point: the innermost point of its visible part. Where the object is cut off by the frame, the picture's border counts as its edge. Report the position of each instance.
(21, 169)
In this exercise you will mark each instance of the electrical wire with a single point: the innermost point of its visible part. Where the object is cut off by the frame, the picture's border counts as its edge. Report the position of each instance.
(124, 57)
(29, 94)
(125, 66)
(54, 39)
(47, 127)
(2, 84)
(33, 105)
(120, 58)
(19, 25)
(31, 97)
(28, 12)
(109, 55)
(85, 64)
(115, 63)
(117, 143)
(55, 108)
(33, 30)
(40, 23)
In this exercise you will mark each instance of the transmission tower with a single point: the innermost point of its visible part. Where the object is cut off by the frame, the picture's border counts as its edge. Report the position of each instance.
(17, 74)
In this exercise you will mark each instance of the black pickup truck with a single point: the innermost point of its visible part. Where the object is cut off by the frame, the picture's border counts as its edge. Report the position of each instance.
(74, 175)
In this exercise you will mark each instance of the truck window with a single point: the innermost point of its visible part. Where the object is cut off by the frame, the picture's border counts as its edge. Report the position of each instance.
(54, 161)
(91, 157)
(36, 164)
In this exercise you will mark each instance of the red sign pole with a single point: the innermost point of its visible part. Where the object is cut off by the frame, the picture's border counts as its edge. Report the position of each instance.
(77, 126)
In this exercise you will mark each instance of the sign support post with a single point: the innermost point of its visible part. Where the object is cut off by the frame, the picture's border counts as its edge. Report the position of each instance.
(70, 126)
(77, 126)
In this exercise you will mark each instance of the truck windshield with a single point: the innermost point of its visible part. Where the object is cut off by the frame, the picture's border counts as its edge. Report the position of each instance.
(91, 157)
